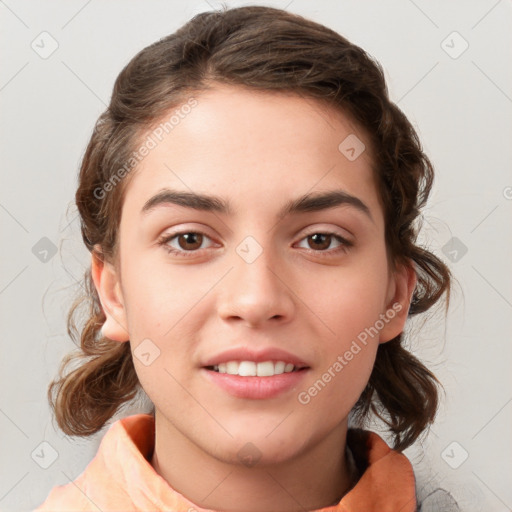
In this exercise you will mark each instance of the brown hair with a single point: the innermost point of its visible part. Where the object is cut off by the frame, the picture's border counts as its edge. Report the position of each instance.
(265, 49)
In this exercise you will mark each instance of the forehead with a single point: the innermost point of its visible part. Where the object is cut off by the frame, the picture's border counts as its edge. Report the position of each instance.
(254, 147)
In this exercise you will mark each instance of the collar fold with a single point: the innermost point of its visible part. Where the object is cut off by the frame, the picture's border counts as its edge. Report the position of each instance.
(120, 476)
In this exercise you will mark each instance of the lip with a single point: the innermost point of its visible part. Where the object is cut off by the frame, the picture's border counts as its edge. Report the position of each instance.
(258, 356)
(256, 388)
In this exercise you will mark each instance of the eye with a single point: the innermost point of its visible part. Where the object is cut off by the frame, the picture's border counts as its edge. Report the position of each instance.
(320, 242)
(188, 242)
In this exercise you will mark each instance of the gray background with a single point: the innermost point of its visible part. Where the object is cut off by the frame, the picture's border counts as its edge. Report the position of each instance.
(461, 104)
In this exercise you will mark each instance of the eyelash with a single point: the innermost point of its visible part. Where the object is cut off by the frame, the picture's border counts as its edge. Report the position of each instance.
(164, 241)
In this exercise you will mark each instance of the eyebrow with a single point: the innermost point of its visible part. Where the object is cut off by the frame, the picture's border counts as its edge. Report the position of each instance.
(312, 202)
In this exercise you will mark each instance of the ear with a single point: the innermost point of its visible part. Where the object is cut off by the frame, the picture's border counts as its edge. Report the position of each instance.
(401, 288)
(108, 287)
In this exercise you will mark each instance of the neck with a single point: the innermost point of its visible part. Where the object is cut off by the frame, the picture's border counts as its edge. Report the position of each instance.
(314, 479)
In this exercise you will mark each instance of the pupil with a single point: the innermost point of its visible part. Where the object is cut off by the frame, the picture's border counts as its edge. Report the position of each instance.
(317, 238)
(189, 239)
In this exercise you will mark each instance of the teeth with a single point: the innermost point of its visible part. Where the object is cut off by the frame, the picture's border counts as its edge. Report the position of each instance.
(231, 367)
(265, 369)
(247, 369)
(279, 367)
(252, 369)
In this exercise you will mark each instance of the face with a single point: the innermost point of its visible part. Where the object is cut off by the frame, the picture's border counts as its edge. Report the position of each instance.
(265, 278)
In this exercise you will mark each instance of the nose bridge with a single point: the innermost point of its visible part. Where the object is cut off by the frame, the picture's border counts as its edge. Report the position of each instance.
(254, 290)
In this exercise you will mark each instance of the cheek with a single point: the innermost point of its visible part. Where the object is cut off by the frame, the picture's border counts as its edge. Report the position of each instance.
(340, 385)
(165, 312)
(336, 385)
(160, 298)
(348, 300)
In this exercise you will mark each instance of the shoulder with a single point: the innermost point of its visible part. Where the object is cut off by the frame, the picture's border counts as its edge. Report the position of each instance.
(120, 460)
(392, 470)
(66, 498)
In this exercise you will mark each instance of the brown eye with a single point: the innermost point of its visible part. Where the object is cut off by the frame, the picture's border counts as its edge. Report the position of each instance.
(190, 241)
(331, 244)
(184, 243)
(321, 241)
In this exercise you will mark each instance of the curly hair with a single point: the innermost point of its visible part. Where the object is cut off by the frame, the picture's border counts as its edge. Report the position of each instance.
(266, 49)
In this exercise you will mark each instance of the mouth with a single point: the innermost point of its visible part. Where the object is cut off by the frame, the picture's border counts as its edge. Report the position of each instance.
(253, 375)
(256, 374)
(255, 369)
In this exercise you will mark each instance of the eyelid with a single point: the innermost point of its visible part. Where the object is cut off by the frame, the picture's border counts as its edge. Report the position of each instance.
(345, 242)
(179, 230)
(333, 230)
(164, 240)
(310, 230)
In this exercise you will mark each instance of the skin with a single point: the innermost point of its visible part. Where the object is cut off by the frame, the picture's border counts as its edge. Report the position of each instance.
(257, 150)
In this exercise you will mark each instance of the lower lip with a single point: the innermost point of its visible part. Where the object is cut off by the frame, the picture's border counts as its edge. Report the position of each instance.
(255, 388)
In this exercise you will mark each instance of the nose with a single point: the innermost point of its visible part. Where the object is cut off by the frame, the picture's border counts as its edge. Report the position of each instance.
(256, 292)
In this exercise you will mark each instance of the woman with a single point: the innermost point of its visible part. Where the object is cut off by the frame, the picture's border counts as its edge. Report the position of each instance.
(249, 199)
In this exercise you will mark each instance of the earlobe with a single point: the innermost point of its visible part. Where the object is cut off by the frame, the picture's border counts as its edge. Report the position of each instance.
(107, 285)
(404, 282)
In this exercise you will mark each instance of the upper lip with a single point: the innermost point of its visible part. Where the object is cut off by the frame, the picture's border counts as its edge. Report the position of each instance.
(256, 355)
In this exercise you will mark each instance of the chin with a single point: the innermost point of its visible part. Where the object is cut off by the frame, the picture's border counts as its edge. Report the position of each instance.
(265, 444)
(258, 454)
